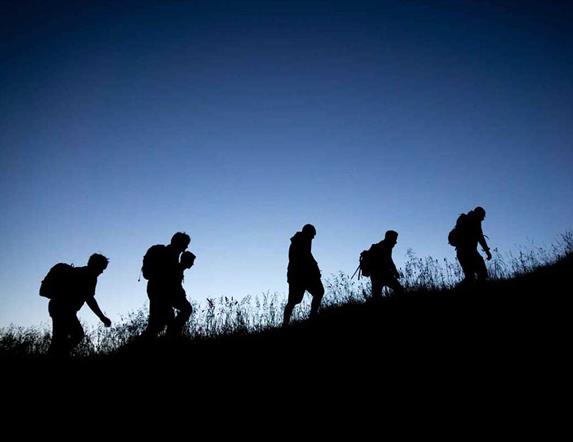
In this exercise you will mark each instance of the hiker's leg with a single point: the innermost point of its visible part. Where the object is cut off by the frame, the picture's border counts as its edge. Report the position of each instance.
(153, 322)
(159, 315)
(295, 295)
(395, 285)
(59, 345)
(316, 289)
(184, 311)
(465, 260)
(159, 309)
(480, 268)
(76, 332)
(287, 313)
(376, 283)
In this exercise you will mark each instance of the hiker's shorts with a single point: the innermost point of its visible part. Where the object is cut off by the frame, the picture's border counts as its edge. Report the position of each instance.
(67, 331)
(380, 281)
(472, 264)
(296, 290)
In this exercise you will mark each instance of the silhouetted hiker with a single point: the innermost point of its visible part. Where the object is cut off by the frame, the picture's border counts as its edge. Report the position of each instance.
(68, 288)
(303, 273)
(379, 265)
(161, 269)
(179, 299)
(465, 237)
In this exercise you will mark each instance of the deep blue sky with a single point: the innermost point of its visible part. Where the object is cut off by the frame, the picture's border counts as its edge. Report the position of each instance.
(238, 122)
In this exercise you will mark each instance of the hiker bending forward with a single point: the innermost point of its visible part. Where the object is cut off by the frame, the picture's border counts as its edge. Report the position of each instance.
(303, 273)
(469, 235)
(384, 272)
(70, 290)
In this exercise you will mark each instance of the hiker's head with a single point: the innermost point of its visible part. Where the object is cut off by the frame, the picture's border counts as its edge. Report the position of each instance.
(187, 259)
(309, 231)
(479, 213)
(180, 241)
(98, 263)
(391, 237)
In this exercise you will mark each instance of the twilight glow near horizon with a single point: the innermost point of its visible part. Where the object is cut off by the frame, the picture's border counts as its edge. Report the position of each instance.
(239, 122)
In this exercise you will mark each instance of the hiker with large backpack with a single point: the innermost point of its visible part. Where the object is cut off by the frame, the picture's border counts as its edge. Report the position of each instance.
(303, 273)
(161, 268)
(465, 237)
(377, 263)
(68, 288)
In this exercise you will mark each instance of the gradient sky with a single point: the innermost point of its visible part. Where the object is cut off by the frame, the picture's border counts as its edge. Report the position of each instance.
(238, 122)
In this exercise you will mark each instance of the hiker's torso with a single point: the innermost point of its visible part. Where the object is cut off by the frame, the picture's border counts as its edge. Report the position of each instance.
(301, 262)
(169, 281)
(470, 232)
(382, 263)
(169, 272)
(80, 286)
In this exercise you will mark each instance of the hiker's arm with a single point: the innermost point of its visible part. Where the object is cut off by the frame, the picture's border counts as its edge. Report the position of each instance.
(391, 266)
(483, 244)
(395, 269)
(312, 264)
(92, 303)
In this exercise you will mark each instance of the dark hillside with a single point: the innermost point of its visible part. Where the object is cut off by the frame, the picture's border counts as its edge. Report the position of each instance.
(505, 325)
(509, 335)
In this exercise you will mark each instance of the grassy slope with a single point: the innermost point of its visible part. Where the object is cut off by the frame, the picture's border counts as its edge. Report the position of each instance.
(504, 322)
(506, 337)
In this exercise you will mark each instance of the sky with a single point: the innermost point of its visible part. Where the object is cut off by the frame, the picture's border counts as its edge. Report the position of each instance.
(238, 122)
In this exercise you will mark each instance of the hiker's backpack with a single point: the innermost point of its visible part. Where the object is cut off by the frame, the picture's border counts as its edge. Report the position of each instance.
(57, 281)
(154, 262)
(366, 262)
(457, 233)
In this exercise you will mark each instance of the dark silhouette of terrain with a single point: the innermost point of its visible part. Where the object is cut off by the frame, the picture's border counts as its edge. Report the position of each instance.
(470, 360)
(510, 322)
(509, 332)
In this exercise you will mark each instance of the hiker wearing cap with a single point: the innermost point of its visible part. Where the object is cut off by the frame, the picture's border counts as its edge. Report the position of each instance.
(383, 271)
(465, 237)
(303, 273)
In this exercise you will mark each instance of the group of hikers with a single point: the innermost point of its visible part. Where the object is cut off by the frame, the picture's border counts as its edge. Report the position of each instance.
(68, 287)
